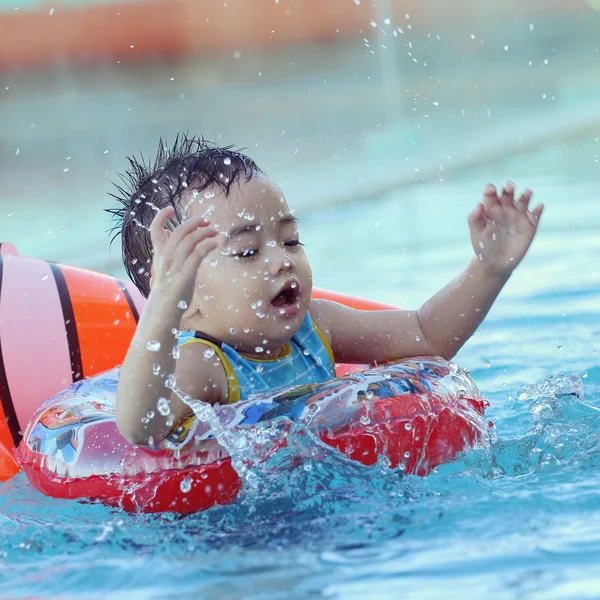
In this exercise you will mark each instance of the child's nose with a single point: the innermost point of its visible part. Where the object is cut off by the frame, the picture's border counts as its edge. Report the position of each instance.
(278, 263)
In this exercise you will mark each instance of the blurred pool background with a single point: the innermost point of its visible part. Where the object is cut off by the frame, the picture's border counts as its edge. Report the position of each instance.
(339, 100)
(381, 121)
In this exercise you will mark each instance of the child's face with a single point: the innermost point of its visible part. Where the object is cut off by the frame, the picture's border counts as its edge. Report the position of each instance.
(254, 289)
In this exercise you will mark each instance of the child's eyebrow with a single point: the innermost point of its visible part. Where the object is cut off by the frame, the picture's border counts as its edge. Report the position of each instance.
(247, 227)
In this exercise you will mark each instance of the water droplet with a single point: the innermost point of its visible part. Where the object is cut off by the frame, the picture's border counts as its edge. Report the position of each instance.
(150, 414)
(186, 485)
(163, 406)
(402, 466)
(387, 21)
(407, 454)
(418, 338)
(227, 161)
(44, 277)
(209, 353)
(246, 330)
(182, 304)
(306, 352)
(369, 395)
(559, 347)
(387, 375)
(156, 369)
(259, 368)
(407, 426)
(153, 345)
(531, 26)
(584, 375)
(170, 381)
(175, 352)
(145, 420)
(259, 349)
(232, 331)
(260, 315)
(488, 364)
(365, 420)
(357, 2)
(213, 262)
(271, 243)
(372, 23)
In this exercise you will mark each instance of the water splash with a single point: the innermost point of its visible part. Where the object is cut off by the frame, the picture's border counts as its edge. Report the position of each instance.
(564, 432)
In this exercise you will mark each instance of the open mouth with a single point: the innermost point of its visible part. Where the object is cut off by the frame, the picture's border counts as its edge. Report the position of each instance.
(288, 296)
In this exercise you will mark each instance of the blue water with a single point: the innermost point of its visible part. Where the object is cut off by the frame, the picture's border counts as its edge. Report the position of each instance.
(521, 519)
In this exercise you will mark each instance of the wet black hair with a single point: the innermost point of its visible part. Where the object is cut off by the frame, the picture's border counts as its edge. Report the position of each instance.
(191, 164)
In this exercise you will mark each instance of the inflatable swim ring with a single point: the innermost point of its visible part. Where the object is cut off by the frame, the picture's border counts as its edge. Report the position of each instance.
(418, 414)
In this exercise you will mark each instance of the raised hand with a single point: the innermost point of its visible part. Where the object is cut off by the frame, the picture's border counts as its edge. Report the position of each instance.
(502, 229)
(178, 253)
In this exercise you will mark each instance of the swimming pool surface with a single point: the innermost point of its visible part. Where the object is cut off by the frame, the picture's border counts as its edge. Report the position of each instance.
(520, 520)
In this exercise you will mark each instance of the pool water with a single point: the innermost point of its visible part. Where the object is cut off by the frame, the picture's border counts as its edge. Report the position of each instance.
(520, 519)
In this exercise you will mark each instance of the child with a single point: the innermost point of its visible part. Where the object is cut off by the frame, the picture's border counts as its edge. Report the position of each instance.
(211, 241)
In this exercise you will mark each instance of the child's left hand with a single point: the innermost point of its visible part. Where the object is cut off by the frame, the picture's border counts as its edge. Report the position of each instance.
(502, 229)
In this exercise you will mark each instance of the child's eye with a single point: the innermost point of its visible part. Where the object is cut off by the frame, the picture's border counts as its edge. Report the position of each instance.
(293, 243)
(246, 254)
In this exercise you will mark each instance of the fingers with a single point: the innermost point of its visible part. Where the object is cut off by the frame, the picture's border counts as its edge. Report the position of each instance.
(172, 248)
(508, 195)
(477, 219)
(535, 215)
(190, 243)
(490, 198)
(185, 228)
(158, 233)
(176, 237)
(500, 208)
(523, 203)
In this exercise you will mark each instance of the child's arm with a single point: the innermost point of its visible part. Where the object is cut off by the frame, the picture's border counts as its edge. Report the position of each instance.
(501, 232)
(177, 256)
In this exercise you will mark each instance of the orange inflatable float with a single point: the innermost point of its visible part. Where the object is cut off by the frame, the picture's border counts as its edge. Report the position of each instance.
(60, 324)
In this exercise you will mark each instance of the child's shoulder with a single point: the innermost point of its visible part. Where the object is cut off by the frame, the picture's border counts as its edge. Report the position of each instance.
(209, 382)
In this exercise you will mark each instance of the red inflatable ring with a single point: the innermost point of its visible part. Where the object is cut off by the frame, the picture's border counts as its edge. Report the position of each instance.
(418, 413)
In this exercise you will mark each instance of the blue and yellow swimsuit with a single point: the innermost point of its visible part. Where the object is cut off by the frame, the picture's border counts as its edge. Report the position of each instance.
(306, 358)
